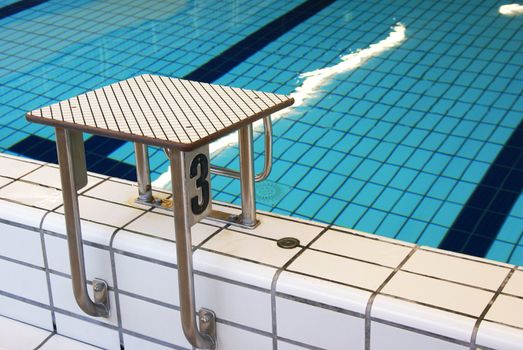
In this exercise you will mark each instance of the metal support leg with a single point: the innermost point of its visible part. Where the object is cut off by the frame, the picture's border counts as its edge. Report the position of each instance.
(143, 173)
(245, 143)
(204, 339)
(73, 175)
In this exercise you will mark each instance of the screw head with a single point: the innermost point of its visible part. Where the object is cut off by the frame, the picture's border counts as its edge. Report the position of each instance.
(98, 287)
(288, 242)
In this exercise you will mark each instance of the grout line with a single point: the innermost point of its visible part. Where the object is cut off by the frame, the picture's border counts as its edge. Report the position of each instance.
(116, 291)
(149, 300)
(19, 225)
(481, 317)
(420, 331)
(319, 304)
(244, 327)
(47, 270)
(86, 319)
(370, 302)
(275, 281)
(46, 340)
(25, 300)
(153, 340)
(23, 263)
(300, 344)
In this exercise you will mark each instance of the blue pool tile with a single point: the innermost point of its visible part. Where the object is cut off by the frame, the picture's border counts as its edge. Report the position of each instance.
(411, 231)
(517, 256)
(311, 205)
(370, 221)
(407, 204)
(331, 210)
(391, 225)
(500, 251)
(350, 215)
(432, 235)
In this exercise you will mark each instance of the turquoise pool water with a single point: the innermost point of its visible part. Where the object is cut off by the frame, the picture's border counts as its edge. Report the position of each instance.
(422, 142)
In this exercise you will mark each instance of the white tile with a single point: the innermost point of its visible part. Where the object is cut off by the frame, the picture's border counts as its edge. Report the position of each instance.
(105, 212)
(319, 327)
(386, 337)
(23, 281)
(4, 181)
(508, 310)
(233, 338)
(283, 345)
(146, 278)
(97, 261)
(431, 291)
(362, 248)
(135, 343)
(21, 214)
(514, 285)
(284, 217)
(277, 228)
(14, 168)
(145, 246)
(91, 231)
(25, 312)
(58, 342)
(20, 336)
(467, 257)
(64, 299)
(422, 317)
(322, 291)
(120, 192)
(498, 336)
(250, 247)
(162, 226)
(152, 320)
(235, 269)
(456, 269)
(47, 198)
(49, 175)
(87, 332)
(238, 304)
(340, 269)
(21, 244)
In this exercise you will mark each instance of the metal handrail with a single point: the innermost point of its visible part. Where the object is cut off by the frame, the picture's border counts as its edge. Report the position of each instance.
(200, 338)
(267, 165)
(73, 175)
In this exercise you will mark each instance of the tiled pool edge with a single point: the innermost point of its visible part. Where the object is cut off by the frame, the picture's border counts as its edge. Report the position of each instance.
(339, 290)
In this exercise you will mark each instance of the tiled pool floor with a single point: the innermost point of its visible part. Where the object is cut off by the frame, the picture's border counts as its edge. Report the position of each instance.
(413, 144)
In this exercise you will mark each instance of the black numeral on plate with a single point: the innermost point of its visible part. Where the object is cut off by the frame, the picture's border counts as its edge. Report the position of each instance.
(201, 182)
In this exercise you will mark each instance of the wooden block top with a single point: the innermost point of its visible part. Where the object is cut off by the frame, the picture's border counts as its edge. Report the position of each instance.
(161, 111)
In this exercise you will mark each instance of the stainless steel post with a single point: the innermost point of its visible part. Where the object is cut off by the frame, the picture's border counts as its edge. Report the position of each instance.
(245, 143)
(143, 173)
(182, 227)
(74, 176)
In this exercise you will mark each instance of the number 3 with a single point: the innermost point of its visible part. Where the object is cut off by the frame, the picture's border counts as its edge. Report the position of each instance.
(201, 182)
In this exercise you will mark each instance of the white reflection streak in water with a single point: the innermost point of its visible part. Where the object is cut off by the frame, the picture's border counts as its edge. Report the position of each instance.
(511, 9)
(311, 87)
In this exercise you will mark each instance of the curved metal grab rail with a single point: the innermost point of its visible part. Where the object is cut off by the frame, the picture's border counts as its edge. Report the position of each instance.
(204, 337)
(267, 165)
(73, 174)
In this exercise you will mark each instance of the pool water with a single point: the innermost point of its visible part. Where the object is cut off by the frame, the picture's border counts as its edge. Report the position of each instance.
(422, 141)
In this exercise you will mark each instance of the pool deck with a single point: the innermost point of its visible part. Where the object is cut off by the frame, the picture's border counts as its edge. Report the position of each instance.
(339, 287)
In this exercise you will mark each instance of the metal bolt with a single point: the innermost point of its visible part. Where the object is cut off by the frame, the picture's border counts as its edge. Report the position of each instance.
(206, 318)
(98, 287)
(288, 243)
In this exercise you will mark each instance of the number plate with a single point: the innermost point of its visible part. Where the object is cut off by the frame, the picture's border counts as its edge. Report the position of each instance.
(198, 177)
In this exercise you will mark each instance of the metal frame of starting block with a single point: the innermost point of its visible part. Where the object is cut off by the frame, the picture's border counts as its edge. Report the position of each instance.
(182, 117)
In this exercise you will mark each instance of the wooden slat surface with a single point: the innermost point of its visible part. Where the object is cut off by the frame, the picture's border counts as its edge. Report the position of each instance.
(161, 111)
